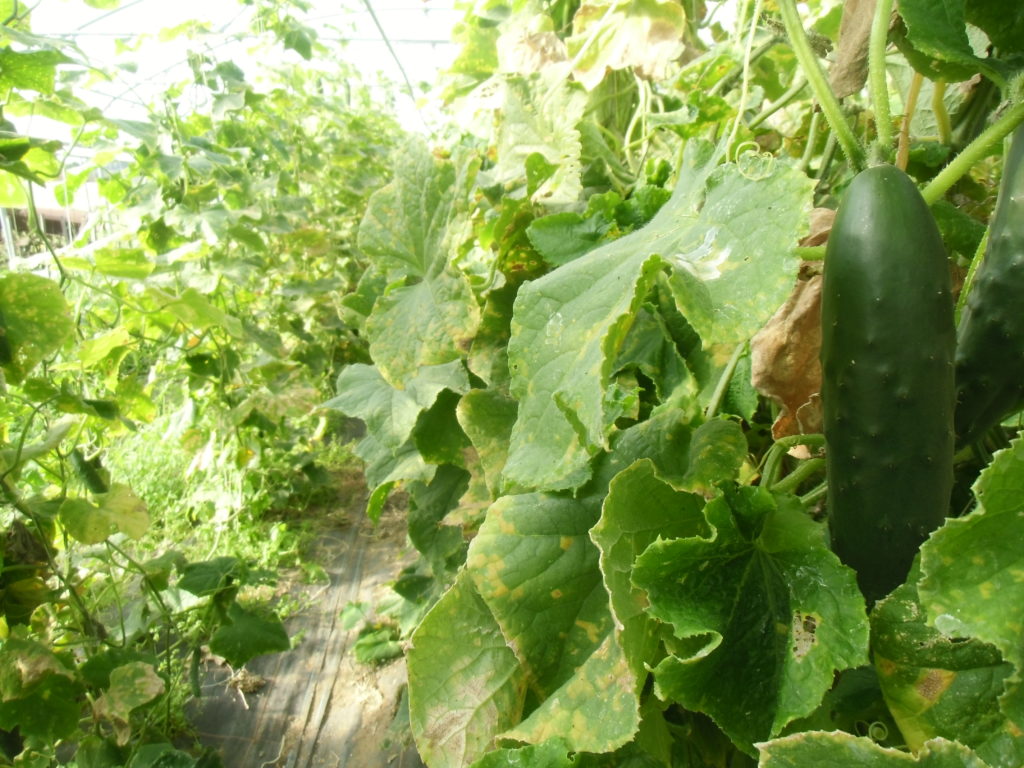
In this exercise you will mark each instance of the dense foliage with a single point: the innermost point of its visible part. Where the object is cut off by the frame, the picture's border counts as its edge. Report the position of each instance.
(581, 327)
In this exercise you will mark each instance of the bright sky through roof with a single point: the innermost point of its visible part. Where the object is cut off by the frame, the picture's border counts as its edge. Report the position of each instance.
(419, 32)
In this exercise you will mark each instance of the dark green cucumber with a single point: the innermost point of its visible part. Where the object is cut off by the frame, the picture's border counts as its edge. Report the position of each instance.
(990, 337)
(887, 378)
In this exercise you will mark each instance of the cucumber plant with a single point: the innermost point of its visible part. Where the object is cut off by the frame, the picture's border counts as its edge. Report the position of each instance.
(990, 337)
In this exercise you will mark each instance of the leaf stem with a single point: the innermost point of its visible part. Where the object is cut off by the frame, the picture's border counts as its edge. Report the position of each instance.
(723, 381)
(877, 84)
(973, 153)
(979, 256)
(794, 90)
(795, 479)
(903, 153)
(819, 84)
(940, 112)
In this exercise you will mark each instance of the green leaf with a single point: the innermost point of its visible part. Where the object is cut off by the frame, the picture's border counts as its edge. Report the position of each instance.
(409, 226)
(937, 29)
(131, 686)
(1004, 24)
(123, 262)
(35, 319)
(429, 323)
(209, 576)
(30, 70)
(640, 508)
(95, 349)
(196, 311)
(390, 414)
(646, 35)
(972, 583)
(550, 754)
(119, 510)
(763, 614)
(717, 451)
(487, 417)
(841, 750)
(246, 635)
(465, 684)
(564, 237)
(933, 685)
(728, 229)
(534, 565)
(429, 503)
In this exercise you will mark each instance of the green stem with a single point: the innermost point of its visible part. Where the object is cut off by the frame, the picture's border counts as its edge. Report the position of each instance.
(773, 459)
(979, 256)
(819, 84)
(795, 479)
(940, 112)
(812, 135)
(782, 101)
(877, 85)
(973, 153)
(723, 381)
(734, 74)
(810, 252)
(811, 497)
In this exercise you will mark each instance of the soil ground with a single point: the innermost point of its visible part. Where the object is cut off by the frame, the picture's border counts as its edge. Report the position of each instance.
(315, 706)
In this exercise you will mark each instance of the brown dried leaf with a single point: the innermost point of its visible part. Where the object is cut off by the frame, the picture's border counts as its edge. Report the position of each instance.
(850, 69)
(820, 226)
(784, 359)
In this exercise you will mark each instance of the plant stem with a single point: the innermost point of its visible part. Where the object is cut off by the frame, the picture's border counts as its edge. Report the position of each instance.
(973, 153)
(812, 135)
(723, 381)
(877, 84)
(819, 84)
(773, 459)
(782, 101)
(810, 252)
(941, 115)
(903, 154)
(979, 255)
(794, 479)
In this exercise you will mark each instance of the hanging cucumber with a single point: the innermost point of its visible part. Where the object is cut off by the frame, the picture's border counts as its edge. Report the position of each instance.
(990, 338)
(887, 389)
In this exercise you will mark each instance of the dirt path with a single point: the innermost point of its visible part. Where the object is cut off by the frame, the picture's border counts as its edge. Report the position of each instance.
(318, 707)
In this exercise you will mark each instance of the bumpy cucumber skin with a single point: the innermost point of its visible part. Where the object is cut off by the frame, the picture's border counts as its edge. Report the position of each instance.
(888, 379)
(990, 337)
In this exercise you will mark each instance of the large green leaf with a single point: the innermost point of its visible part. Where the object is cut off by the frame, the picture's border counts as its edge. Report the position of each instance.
(937, 29)
(639, 509)
(35, 321)
(411, 229)
(728, 231)
(841, 750)
(31, 70)
(119, 510)
(465, 684)
(763, 614)
(1002, 22)
(972, 581)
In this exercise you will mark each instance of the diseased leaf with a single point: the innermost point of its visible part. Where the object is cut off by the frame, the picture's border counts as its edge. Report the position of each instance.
(849, 70)
(35, 320)
(786, 365)
(935, 686)
(550, 754)
(465, 684)
(762, 611)
(717, 451)
(119, 510)
(487, 416)
(640, 508)
(841, 750)
(534, 565)
(646, 35)
(131, 685)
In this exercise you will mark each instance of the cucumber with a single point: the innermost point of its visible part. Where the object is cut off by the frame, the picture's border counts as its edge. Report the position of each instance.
(887, 354)
(990, 337)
